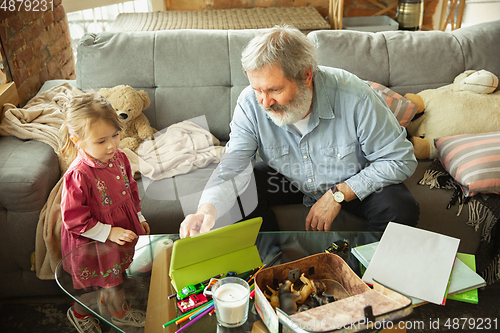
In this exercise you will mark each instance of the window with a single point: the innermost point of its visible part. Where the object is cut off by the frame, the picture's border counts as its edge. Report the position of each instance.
(98, 15)
(479, 11)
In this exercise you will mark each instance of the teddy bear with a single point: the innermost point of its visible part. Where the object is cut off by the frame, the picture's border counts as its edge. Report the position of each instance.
(467, 106)
(129, 104)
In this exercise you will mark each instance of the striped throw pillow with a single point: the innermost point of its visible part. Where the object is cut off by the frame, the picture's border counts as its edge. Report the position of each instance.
(473, 160)
(403, 108)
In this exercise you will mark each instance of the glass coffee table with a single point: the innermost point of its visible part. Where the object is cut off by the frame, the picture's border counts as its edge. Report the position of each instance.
(143, 284)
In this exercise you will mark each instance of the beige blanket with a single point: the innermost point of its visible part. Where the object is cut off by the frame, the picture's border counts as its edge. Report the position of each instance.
(40, 119)
(179, 149)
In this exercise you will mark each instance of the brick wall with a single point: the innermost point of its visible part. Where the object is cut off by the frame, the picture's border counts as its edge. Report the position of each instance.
(36, 47)
(351, 7)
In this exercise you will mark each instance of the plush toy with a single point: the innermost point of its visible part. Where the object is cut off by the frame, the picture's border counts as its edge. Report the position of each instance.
(129, 104)
(467, 106)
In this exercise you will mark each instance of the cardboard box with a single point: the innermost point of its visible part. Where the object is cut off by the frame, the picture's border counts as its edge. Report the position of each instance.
(370, 23)
(357, 308)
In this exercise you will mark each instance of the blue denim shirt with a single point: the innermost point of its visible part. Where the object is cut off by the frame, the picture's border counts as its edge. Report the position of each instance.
(352, 136)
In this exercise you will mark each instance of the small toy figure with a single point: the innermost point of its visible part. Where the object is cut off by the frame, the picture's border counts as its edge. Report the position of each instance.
(306, 290)
(192, 302)
(341, 245)
(273, 298)
(190, 290)
(288, 299)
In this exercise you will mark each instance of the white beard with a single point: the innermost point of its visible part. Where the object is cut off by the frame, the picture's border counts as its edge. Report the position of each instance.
(296, 110)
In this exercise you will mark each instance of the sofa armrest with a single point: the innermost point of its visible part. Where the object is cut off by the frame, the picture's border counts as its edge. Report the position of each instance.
(28, 171)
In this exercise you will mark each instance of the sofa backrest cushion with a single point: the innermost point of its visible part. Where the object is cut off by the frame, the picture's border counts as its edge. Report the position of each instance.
(411, 61)
(187, 73)
(191, 73)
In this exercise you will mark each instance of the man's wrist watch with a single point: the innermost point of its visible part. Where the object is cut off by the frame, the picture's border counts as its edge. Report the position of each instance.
(337, 195)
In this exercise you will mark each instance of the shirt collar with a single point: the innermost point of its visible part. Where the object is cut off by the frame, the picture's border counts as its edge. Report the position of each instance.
(92, 162)
(322, 106)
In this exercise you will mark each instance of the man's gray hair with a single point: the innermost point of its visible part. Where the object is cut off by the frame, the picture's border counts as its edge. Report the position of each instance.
(281, 46)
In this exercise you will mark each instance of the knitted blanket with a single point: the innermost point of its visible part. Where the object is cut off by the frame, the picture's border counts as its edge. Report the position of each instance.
(484, 212)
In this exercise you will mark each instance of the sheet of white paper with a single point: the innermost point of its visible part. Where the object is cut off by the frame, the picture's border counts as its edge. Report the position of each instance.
(413, 261)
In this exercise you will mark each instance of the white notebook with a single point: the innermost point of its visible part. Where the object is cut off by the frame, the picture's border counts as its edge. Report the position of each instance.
(414, 262)
(462, 277)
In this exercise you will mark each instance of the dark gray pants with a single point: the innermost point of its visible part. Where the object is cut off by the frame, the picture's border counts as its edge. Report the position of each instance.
(394, 203)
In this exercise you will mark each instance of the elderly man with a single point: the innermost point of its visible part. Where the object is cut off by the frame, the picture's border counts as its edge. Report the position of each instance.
(325, 138)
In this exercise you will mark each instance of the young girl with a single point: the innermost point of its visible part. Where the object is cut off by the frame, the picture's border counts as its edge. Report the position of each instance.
(99, 201)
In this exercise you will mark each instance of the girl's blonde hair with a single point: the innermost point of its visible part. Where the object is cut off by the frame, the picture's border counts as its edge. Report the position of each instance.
(81, 113)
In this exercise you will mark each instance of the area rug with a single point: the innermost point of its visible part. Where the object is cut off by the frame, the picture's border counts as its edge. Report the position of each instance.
(44, 314)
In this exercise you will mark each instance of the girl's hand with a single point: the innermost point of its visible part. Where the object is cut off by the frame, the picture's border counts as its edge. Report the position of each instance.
(121, 236)
(145, 226)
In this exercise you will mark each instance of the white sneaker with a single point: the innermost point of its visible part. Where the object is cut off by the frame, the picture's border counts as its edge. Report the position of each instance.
(88, 324)
(133, 317)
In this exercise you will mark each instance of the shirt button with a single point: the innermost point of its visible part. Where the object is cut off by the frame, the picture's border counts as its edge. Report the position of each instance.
(305, 156)
(110, 165)
(310, 180)
(338, 155)
(117, 177)
(124, 192)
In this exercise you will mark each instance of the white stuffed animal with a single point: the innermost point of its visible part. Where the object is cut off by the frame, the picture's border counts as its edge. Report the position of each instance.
(481, 82)
(467, 106)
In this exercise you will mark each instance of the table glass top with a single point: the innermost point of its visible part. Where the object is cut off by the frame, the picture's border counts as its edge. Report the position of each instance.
(274, 248)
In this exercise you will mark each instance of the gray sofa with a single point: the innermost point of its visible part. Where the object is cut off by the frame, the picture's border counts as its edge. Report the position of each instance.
(191, 73)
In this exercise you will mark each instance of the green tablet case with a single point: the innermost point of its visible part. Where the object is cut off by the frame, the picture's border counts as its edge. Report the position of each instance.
(200, 257)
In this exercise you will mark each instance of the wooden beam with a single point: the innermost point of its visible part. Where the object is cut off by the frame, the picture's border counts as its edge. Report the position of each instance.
(335, 13)
(384, 7)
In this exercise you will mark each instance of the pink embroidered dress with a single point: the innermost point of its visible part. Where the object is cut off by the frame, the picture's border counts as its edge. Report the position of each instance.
(93, 192)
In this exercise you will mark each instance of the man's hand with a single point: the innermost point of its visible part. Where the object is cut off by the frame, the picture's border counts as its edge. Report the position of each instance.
(145, 227)
(121, 236)
(325, 210)
(322, 213)
(202, 221)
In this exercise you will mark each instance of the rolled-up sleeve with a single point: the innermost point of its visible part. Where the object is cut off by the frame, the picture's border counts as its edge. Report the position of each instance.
(234, 173)
(383, 141)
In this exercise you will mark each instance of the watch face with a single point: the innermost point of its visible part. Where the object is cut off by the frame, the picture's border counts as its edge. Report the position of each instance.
(338, 196)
